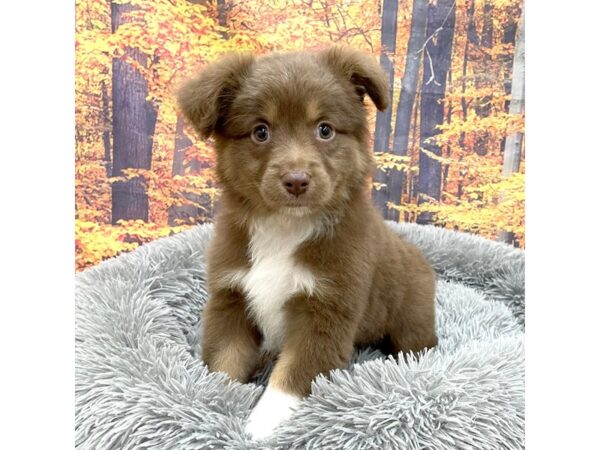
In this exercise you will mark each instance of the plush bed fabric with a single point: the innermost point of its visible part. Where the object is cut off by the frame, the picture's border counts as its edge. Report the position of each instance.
(140, 381)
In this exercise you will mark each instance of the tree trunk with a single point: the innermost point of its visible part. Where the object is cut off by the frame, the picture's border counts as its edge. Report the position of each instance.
(134, 120)
(514, 142)
(407, 99)
(191, 212)
(512, 150)
(508, 37)
(179, 214)
(484, 106)
(448, 149)
(222, 17)
(436, 62)
(410, 189)
(383, 120)
(472, 38)
(106, 128)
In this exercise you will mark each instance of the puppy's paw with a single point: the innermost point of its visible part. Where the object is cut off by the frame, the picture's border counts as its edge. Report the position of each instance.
(272, 408)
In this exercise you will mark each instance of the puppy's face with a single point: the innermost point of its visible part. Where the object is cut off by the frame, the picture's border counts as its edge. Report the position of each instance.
(290, 129)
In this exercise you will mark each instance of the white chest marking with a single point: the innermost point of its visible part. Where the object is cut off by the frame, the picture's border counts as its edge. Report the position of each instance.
(275, 275)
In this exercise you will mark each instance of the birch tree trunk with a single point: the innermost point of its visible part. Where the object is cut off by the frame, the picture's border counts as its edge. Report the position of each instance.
(514, 142)
(513, 146)
(508, 37)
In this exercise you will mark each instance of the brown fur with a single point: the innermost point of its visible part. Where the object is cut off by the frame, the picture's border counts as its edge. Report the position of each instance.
(371, 284)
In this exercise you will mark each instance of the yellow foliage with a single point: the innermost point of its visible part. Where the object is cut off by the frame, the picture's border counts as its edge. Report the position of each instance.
(95, 242)
(179, 36)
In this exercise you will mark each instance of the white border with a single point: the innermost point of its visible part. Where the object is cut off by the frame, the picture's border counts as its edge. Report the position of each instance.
(37, 224)
(563, 169)
(37, 230)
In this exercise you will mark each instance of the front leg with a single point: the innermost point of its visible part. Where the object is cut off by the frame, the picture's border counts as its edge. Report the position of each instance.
(230, 342)
(319, 338)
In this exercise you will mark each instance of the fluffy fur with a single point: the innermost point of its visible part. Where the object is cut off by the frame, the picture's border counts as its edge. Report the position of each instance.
(283, 253)
(140, 381)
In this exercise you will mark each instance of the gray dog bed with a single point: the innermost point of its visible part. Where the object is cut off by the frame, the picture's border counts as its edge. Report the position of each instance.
(140, 381)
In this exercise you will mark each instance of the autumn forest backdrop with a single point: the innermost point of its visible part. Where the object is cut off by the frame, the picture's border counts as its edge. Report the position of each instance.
(450, 149)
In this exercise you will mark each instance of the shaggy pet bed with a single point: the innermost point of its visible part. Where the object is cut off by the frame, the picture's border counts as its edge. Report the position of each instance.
(140, 381)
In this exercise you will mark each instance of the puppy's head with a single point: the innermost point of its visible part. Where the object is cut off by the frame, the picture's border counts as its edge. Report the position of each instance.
(290, 129)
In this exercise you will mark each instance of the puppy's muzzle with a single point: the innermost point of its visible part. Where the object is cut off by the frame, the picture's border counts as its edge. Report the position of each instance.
(296, 182)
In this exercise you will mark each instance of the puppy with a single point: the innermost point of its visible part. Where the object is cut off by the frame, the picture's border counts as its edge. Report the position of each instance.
(301, 266)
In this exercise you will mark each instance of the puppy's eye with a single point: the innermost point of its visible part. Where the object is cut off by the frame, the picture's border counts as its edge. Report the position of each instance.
(261, 134)
(325, 131)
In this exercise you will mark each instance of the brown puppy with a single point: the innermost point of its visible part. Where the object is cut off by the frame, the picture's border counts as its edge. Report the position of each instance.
(301, 265)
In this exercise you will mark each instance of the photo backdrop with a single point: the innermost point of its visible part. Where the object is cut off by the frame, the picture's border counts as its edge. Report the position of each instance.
(449, 150)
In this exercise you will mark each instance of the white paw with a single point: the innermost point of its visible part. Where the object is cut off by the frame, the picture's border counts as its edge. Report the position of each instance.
(272, 408)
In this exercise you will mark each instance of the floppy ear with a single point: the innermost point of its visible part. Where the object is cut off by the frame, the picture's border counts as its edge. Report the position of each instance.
(360, 69)
(206, 98)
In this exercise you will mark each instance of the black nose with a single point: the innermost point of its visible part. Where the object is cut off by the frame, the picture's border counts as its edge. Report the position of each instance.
(296, 183)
